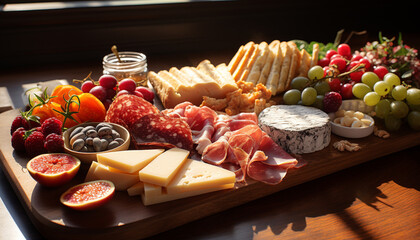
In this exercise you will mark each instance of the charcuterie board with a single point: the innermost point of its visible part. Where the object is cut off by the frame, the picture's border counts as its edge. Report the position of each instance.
(127, 218)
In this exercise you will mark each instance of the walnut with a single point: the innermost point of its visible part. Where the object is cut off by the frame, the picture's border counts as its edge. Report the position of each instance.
(345, 145)
(380, 133)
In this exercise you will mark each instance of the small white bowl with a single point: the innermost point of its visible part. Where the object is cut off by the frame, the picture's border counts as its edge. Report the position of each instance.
(350, 132)
(88, 157)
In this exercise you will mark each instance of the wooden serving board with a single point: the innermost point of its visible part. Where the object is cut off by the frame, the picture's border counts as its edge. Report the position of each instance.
(126, 218)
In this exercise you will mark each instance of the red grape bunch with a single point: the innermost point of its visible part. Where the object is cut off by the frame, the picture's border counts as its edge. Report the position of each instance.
(108, 87)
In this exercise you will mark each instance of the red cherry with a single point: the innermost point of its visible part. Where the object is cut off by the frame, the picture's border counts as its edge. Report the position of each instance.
(366, 62)
(107, 81)
(87, 86)
(99, 92)
(110, 93)
(330, 53)
(335, 84)
(356, 58)
(138, 94)
(357, 76)
(127, 84)
(324, 62)
(380, 71)
(336, 56)
(346, 91)
(148, 94)
(340, 63)
(123, 92)
(344, 50)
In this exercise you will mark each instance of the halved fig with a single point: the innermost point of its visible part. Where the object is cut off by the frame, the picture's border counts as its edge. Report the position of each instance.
(88, 195)
(53, 169)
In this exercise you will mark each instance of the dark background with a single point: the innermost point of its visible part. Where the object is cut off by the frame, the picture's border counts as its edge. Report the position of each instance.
(85, 34)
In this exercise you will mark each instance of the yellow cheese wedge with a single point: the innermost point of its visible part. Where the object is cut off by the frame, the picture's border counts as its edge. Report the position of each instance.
(195, 175)
(129, 161)
(136, 189)
(90, 174)
(165, 197)
(121, 180)
(164, 167)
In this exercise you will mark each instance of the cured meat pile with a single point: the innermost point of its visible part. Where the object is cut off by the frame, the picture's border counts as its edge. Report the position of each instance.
(235, 143)
(148, 127)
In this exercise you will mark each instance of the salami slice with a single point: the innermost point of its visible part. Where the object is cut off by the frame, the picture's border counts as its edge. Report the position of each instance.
(128, 109)
(158, 128)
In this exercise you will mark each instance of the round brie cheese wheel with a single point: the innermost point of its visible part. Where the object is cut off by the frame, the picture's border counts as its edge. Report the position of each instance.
(297, 129)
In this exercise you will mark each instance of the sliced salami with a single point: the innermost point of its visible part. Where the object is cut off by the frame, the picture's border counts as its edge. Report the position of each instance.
(128, 109)
(158, 128)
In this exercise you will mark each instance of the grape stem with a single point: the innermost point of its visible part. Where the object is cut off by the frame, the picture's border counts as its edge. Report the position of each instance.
(354, 69)
(88, 77)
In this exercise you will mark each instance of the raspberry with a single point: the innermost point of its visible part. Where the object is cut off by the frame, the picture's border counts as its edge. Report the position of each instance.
(51, 125)
(34, 144)
(332, 101)
(54, 143)
(17, 123)
(18, 139)
(22, 121)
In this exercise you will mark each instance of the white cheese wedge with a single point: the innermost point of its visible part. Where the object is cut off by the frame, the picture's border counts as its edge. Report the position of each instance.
(164, 167)
(129, 161)
(90, 174)
(121, 180)
(136, 189)
(165, 197)
(196, 175)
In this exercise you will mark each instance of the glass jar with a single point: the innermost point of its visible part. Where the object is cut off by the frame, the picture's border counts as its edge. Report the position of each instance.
(133, 65)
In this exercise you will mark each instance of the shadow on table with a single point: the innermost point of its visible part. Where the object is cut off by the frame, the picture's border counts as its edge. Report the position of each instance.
(332, 194)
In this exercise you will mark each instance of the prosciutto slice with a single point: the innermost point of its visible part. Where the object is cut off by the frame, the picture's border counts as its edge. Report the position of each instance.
(235, 143)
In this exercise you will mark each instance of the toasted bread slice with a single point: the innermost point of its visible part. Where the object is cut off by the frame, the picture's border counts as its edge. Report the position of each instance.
(314, 58)
(249, 49)
(268, 63)
(256, 69)
(294, 64)
(287, 52)
(274, 76)
(234, 62)
(305, 63)
(250, 63)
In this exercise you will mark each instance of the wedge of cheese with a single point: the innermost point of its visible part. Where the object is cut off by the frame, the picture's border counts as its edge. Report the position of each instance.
(121, 180)
(196, 175)
(130, 161)
(136, 189)
(165, 197)
(164, 167)
(194, 178)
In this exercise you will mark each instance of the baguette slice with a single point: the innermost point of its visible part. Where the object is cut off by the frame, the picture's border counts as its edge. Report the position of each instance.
(294, 65)
(221, 76)
(249, 49)
(315, 52)
(268, 63)
(256, 69)
(233, 64)
(288, 52)
(274, 76)
(305, 63)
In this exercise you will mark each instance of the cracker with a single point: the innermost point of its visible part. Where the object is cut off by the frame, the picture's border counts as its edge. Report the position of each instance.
(273, 77)
(294, 64)
(249, 50)
(268, 62)
(255, 72)
(288, 53)
(233, 64)
(315, 51)
(250, 63)
(305, 63)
